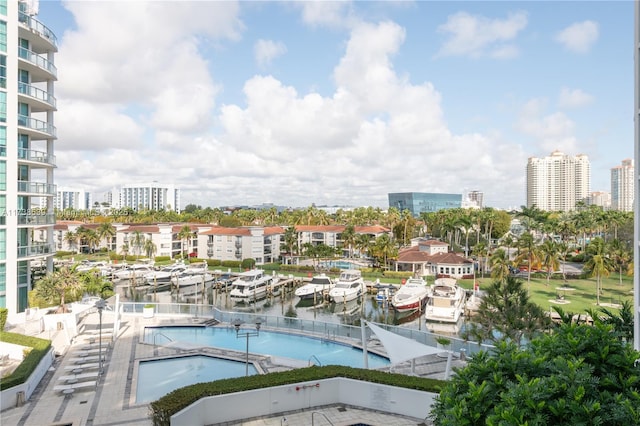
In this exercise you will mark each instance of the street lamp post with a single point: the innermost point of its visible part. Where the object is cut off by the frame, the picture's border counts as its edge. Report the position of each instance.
(237, 323)
(100, 305)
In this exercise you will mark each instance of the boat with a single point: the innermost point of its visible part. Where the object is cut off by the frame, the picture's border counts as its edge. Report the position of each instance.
(410, 296)
(96, 266)
(197, 268)
(446, 301)
(136, 270)
(187, 281)
(164, 274)
(349, 286)
(251, 286)
(317, 288)
(384, 293)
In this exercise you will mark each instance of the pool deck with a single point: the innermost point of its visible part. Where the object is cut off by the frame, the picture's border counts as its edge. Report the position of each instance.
(111, 399)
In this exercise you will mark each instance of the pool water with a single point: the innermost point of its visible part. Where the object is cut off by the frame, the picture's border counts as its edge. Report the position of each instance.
(158, 377)
(304, 348)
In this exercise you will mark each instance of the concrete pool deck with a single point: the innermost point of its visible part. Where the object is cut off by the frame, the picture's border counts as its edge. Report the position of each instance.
(111, 401)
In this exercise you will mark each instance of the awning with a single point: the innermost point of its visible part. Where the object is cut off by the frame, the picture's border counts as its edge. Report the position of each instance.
(401, 349)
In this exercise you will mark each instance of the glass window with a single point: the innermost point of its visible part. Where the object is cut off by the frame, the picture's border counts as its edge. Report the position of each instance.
(3, 244)
(3, 36)
(3, 141)
(3, 107)
(3, 279)
(3, 12)
(3, 175)
(3, 209)
(3, 71)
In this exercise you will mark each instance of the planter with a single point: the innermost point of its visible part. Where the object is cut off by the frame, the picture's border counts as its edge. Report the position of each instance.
(147, 312)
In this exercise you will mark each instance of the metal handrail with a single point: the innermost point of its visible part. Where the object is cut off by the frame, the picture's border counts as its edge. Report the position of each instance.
(322, 414)
(316, 358)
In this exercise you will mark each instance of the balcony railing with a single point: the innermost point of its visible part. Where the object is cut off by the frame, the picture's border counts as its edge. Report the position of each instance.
(39, 156)
(37, 125)
(38, 27)
(36, 93)
(35, 249)
(37, 219)
(37, 60)
(36, 187)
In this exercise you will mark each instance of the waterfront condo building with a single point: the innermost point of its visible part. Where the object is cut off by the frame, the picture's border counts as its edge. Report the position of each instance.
(149, 196)
(27, 135)
(558, 182)
(622, 188)
(422, 202)
(72, 198)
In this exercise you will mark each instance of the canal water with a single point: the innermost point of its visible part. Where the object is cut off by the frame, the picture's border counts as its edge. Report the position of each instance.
(287, 304)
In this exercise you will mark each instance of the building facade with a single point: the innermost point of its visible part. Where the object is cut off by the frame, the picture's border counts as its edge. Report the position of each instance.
(600, 199)
(27, 161)
(149, 196)
(558, 182)
(423, 202)
(72, 198)
(622, 186)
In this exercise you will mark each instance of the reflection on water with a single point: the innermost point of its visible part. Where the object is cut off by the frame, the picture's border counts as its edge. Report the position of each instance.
(287, 304)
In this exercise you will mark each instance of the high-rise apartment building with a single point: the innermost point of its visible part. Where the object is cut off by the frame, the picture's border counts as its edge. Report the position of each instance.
(601, 199)
(151, 196)
(558, 182)
(27, 135)
(424, 202)
(622, 187)
(72, 198)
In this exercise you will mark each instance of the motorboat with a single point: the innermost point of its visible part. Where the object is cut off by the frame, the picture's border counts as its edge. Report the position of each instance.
(96, 266)
(316, 288)
(384, 293)
(251, 286)
(136, 270)
(349, 286)
(411, 296)
(445, 302)
(188, 279)
(197, 268)
(164, 274)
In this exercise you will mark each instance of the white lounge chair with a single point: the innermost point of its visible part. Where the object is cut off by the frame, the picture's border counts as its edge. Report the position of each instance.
(75, 386)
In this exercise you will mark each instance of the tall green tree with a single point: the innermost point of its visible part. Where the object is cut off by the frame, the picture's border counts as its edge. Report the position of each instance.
(58, 285)
(500, 265)
(598, 264)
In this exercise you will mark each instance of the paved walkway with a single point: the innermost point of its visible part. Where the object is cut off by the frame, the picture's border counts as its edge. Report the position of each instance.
(111, 401)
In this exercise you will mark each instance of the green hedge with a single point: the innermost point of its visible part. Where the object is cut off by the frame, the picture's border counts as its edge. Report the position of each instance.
(40, 348)
(4, 313)
(168, 405)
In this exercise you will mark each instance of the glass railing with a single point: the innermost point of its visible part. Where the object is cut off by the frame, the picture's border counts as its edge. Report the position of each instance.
(39, 156)
(36, 187)
(37, 60)
(36, 93)
(37, 219)
(37, 125)
(36, 249)
(38, 27)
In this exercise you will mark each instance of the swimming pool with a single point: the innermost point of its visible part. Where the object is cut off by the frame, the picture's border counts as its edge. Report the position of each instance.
(273, 343)
(340, 264)
(158, 377)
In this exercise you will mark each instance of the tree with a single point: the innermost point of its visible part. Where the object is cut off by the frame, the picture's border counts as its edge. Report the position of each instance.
(106, 231)
(150, 248)
(348, 237)
(598, 264)
(505, 313)
(500, 265)
(290, 243)
(576, 375)
(549, 260)
(137, 241)
(184, 235)
(56, 286)
(71, 238)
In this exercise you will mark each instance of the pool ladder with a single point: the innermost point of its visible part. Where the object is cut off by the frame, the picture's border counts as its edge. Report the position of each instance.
(317, 360)
(155, 346)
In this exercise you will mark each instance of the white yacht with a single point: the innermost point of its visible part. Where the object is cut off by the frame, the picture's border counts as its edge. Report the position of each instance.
(136, 270)
(164, 274)
(317, 288)
(411, 295)
(446, 301)
(251, 286)
(349, 286)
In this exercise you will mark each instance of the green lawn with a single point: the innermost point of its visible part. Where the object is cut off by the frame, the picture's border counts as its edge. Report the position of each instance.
(580, 299)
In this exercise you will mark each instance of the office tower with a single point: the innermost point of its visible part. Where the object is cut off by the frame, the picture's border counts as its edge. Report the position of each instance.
(558, 182)
(150, 196)
(27, 135)
(622, 188)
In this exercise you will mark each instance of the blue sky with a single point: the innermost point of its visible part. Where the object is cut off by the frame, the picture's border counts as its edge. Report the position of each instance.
(338, 103)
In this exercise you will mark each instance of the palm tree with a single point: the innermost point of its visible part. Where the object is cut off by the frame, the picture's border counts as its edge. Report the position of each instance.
(500, 265)
(549, 253)
(106, 231)
(55, 286)
(528, 252)
(185, 235)
(348, 237)
(71, 238)
(150, 248)
(599, 265)
(290, 243)
(363, 243)
(385, 249)
(620, 256)
(137, 241)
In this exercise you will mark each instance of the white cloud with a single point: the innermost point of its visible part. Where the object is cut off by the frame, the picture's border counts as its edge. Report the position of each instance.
(266, 51)
(477, 36)
(579, 37)
(326, 13)
(573, 98)
(549, 132)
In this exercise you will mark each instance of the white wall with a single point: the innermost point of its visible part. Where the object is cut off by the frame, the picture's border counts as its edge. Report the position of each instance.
(281, 399)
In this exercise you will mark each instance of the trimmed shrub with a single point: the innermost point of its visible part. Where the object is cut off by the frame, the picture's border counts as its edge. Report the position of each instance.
(4, 313)
(40, 347)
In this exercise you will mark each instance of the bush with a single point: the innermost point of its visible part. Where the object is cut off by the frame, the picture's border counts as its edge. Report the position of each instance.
(162, 258)
(40, 348)
(165, 407)
(4, 313)
(61, 253)
(230, 264)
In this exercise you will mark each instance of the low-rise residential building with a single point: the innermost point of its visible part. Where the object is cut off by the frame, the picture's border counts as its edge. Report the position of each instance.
(432, 258)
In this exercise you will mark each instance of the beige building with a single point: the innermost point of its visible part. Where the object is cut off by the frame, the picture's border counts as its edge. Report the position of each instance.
(622, 186)
(557, 182)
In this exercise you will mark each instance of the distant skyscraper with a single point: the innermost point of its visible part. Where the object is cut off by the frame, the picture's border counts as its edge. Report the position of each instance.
(419, 202)
(558, 182)
(600, 198)
(151, 196)
(72, 198)
(622, 188)
(476, 198)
